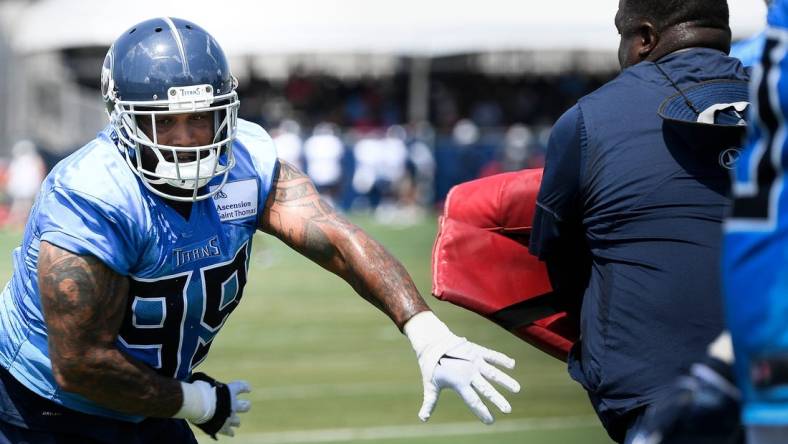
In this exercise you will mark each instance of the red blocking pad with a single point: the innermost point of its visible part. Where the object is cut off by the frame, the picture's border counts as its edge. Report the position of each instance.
(481, 262)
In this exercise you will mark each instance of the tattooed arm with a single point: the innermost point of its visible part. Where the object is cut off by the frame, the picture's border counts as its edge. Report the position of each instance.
(84, 303)
(297, 215)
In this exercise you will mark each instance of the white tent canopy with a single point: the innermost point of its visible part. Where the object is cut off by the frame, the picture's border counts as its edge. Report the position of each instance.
(402, 27)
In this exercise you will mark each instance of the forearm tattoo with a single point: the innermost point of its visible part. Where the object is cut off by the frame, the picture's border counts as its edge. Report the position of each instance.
(296, 214)
(84, 303)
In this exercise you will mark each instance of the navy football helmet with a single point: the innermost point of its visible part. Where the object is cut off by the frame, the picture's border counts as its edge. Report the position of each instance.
(171, 66)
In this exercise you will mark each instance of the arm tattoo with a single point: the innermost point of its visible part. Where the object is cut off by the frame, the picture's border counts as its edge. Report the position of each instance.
(296, 214)
(84, 303)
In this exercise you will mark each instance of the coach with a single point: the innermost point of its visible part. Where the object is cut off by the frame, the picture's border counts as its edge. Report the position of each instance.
(629, 212)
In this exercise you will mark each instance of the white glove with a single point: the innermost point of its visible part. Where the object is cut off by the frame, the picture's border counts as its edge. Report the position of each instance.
(447, 360)
(213, 406)
(238, 406)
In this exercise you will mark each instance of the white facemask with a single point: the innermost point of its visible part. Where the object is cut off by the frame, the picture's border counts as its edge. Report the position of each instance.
(185, 175)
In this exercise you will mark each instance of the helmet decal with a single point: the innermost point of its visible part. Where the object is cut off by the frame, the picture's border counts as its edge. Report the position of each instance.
(179, 42)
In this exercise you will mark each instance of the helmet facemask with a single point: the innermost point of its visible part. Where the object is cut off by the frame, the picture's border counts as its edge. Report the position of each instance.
(188, 168)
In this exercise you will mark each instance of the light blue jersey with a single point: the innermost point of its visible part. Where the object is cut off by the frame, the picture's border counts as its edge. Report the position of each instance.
(755, 263)
(186, 276)
(749, 50)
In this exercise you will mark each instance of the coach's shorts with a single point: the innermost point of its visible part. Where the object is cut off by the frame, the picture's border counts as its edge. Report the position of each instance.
(26, 417)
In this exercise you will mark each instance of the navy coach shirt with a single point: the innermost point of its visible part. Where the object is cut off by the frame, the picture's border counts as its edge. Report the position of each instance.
(629, 218)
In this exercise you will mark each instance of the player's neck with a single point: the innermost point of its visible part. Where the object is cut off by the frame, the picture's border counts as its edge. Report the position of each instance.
(183, 208)
(687, 35)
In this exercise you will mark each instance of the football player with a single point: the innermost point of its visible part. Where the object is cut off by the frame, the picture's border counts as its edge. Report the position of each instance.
(137, 251)
(752, 387)
(754, 272)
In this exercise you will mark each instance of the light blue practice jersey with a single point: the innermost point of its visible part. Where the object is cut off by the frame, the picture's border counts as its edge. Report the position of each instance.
(755, 261)
(749, 50)
(186, 276)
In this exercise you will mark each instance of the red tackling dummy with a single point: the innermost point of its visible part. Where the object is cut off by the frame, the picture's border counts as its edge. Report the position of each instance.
(481, 262)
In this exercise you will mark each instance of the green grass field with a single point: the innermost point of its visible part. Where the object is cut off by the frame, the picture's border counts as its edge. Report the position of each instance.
(325, 366)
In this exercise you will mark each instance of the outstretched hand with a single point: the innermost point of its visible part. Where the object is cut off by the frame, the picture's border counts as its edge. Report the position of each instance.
(449, 361)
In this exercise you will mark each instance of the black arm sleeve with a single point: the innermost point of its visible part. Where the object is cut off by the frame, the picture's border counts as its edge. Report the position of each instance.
(558, 236)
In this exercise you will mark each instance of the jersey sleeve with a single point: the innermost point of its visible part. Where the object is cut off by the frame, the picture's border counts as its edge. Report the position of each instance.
(85, 225)
(558, 236)
(262, 151)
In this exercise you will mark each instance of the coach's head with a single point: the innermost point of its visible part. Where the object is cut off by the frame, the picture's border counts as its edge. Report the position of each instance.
(650, 29)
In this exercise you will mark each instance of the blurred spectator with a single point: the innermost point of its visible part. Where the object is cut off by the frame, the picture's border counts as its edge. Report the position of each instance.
(380, 165)
(289, 146)
(397, 207)
(465, 133)
(444, 106)
(516, 152)
(300, 90)
(323, 152)
(382, 180)
(394, 157)
(414, 190)
(487, 113)
(517, 148)
(25, 173)
(422, 161)
(367, 153)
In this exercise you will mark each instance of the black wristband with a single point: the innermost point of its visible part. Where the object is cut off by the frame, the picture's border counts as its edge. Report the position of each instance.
(223, 405)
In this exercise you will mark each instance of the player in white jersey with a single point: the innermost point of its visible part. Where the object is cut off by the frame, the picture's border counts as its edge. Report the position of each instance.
(137, 251)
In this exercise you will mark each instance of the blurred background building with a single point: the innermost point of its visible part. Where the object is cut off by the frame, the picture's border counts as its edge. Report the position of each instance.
(385, 104)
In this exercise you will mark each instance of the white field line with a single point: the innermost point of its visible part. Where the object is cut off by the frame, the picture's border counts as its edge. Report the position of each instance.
(415, 431)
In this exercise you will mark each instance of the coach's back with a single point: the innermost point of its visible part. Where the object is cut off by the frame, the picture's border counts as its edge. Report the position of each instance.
(645, 207)
(653, 208)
